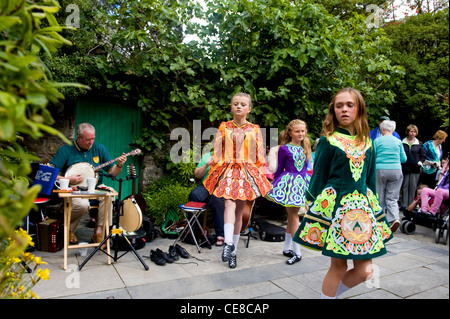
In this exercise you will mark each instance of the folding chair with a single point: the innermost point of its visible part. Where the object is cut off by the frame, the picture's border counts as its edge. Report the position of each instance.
(195, 209)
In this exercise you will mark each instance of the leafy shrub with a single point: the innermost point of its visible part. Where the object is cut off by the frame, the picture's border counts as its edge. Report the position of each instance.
(162, 195)
(28, 29)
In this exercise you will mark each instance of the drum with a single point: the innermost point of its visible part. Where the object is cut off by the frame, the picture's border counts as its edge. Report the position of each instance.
(83, 168)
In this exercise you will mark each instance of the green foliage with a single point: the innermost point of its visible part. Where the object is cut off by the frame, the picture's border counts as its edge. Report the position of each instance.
(184, 170)
(291, 56)
(26, 28)
(163, 194)
(422, 48)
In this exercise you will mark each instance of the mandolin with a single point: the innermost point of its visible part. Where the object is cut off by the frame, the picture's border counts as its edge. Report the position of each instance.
(132, 206)
(139, 198)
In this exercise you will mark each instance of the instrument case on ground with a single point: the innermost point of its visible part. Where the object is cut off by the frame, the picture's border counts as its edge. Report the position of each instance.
(268, 231)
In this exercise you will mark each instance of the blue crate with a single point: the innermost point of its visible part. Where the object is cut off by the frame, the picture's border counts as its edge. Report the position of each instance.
(46, 177)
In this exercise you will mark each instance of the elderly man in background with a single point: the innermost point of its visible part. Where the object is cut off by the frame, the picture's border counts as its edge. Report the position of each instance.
(375, 133)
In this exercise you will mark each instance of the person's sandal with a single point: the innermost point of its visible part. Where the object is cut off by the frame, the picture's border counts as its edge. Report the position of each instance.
(73, 240)
(98, 238)
(220, 241)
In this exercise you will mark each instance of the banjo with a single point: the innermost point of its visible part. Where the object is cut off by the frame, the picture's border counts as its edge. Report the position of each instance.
(88, 170)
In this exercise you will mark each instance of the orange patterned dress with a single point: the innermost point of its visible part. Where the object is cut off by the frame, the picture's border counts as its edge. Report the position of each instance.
(237, 162)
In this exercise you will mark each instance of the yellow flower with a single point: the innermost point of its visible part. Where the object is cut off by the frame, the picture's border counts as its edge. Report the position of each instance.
(43, 274)
(27, 256)
(30, 241)
(16, 260)
(38, 261)
(33, 295)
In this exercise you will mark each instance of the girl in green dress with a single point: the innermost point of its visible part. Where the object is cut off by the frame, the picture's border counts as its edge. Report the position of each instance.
(344, 219)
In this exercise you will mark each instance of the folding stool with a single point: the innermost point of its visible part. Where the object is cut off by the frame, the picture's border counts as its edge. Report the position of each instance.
(196, 209)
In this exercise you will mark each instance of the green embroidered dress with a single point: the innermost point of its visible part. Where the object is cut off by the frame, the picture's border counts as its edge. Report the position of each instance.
(344, 219)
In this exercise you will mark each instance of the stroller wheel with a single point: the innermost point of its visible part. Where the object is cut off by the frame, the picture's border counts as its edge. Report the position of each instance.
(437, 235)
(445, 237)
(402, 225)
(408, 227)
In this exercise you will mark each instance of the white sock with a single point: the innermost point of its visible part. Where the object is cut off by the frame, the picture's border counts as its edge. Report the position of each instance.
(287, 242)
(297, 248)
(228, 230)
(341, 289)
(326, 297)
(235, 242)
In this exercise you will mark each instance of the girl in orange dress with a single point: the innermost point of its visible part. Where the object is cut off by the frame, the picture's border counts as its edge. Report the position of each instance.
(236, 171)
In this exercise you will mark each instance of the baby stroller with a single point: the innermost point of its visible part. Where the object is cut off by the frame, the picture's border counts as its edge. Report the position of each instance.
(439, 222)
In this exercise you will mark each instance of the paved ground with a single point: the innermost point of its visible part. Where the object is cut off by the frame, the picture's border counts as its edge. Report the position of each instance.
(415, 268)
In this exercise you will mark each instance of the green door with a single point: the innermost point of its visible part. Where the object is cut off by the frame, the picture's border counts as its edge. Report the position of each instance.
(116, 126)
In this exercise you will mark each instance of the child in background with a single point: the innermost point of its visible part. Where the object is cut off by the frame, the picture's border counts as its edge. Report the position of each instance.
(439, 194)
(291, 181)
(344, 219)
(417, 203)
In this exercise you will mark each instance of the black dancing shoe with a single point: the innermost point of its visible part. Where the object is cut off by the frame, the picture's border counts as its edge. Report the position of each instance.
(173, 253)
(232, 263)
(157, 259)
(182, 252)
(290, 253)
(226, 253)
(165, 256)
(293, 260)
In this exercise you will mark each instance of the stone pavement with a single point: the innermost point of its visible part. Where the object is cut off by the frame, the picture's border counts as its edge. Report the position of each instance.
(414, 268)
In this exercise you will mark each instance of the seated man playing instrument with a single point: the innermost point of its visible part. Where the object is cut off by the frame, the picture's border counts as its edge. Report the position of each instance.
(85, 150)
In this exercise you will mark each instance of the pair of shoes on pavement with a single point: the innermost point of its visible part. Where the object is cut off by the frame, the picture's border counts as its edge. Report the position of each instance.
(227, 256)
(176, 251)
(293, 257)
(160, 258)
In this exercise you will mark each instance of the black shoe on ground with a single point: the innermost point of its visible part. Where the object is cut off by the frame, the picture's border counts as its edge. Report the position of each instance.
(156, 258)
(182, 252)
(165, 256)
(290, 253)
(226, 253)
(232, 263)
(293, 260)
(173, 253)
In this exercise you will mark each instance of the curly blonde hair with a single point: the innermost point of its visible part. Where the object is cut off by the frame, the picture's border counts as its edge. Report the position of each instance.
(306, 143)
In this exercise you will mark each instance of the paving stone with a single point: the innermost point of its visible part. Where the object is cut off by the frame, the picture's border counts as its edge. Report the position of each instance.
(415, 267)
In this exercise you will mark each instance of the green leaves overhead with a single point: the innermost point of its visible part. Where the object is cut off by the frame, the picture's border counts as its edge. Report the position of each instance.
(185, 60)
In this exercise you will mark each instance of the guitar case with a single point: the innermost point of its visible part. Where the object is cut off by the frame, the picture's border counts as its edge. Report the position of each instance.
(268, 231)
(150, 231)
